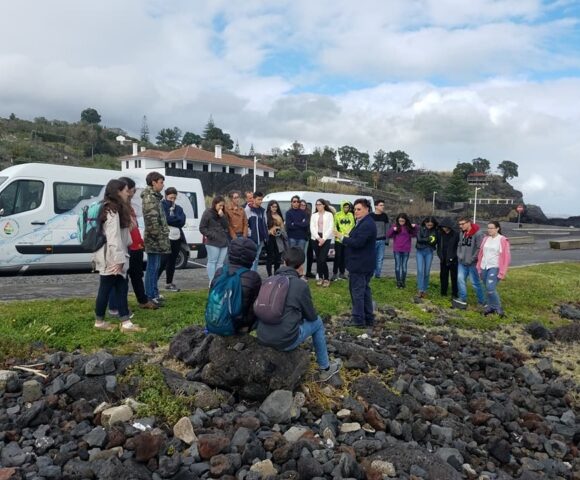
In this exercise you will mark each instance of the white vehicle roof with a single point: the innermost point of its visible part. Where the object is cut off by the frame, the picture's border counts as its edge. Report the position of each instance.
(334, 198)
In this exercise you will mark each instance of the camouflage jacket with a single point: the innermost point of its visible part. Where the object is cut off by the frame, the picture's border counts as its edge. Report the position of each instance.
(156, 237)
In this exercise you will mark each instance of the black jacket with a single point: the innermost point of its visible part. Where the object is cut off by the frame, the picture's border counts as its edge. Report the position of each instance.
(360, 246)
(241, 253)
(426, 238)
(298, 307)
(447, 243)
(215, 228)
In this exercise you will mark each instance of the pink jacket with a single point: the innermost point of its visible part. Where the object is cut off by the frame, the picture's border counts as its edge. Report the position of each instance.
(505, 256)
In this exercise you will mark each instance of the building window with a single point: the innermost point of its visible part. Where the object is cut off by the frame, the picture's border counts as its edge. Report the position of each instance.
(232, 170)
(250, 171)
(205, 167)
(266, 174)
(138, 163)
(127, 164)
(135, 164)
(189, 166)
(224, 169)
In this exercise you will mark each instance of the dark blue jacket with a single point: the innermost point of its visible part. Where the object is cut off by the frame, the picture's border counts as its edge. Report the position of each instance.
(258, 230)
(175, 218)
(297, 224)
(360, 246)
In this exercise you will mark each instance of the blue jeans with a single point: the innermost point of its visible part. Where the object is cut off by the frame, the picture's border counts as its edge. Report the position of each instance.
(216, 257)
(401, 260)
(315, 330)
(257, 259)
(424, 259)
(464, 271)
(296, 242)
(379, 256)
(107, 285)
(490, 280)
(361, 297)
(152, 275)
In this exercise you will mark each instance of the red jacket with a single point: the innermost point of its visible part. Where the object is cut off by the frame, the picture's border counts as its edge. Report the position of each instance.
(135, 233)
(505, 256)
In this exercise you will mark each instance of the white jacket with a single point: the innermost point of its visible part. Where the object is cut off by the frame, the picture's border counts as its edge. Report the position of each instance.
(327, 226)
(115, 251)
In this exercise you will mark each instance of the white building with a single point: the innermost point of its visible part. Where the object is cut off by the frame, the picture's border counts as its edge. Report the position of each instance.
(193, 158)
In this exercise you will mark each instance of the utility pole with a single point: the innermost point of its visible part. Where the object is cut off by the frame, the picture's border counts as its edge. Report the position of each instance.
(434, 193)
(255, 164)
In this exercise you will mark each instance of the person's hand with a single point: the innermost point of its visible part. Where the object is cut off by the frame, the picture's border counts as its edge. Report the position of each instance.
(320, 242)
(117, 268)
(413, 225)
(220, 212)
(395, 229)
(337, 233)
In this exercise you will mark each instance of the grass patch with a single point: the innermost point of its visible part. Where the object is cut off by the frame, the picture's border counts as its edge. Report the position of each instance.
(528, 294)
(157, 399)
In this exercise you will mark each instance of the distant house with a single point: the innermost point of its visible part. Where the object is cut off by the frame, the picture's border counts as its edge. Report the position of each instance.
(191, 157)
(477, 178)
(343, 181)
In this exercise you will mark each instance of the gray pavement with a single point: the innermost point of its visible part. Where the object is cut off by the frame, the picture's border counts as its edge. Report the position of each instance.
(83, 284)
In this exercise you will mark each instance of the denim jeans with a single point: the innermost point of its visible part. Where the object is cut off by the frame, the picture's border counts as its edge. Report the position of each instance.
(379, 256)
(296, 242)
(424, 259)
(257, 259)
(216, 257)
(401, 260)
(107, 285)
(315, 330)
(361, 297)
(152, 275)
(490, 280)
(464, 271)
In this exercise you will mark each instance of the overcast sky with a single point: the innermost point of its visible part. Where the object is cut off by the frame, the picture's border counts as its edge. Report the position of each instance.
(444, 80)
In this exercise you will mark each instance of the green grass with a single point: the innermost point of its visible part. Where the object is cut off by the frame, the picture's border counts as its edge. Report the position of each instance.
(528, 294)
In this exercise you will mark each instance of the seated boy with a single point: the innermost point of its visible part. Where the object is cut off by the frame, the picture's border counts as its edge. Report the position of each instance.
(299, 318)
(241, 253)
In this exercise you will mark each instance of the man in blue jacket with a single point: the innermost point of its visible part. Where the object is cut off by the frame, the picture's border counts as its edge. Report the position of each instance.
(360, 262)
(297, 224)
(257, 227)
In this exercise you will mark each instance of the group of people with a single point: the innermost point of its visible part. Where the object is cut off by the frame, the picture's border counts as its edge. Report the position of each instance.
(121, 257)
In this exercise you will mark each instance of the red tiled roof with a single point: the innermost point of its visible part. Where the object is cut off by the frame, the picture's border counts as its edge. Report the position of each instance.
(197, 155)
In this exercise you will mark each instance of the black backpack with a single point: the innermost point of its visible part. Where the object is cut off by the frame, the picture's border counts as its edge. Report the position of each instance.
(269, 306)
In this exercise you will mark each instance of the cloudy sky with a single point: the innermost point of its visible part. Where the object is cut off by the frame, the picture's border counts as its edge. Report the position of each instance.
(444, 80)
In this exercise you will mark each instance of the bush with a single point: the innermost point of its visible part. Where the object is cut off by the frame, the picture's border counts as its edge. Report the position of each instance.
(288, 174)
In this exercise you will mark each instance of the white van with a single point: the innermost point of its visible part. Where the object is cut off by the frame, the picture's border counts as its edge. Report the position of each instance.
(40, 203)
(283, 199)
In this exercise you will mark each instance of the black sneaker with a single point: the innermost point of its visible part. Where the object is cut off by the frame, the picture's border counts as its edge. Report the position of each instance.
(172, 288)
(159, 302)
(310, 275)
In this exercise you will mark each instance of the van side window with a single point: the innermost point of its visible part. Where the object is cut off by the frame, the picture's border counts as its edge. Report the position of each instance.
(192, 200)
(21, 196)
(68, 195)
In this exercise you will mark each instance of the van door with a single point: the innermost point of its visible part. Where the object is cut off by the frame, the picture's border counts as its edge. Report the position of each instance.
(22, 218)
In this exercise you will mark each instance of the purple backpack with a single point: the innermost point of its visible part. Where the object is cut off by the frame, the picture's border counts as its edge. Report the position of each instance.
(271, 300)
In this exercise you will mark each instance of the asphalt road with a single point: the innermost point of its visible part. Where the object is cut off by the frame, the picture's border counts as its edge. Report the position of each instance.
(83, 284)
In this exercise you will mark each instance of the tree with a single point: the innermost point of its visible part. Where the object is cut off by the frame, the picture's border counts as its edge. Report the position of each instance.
(481, 165)
(144, 130)
(508, 169)
(347, 156)
(457, 189)
(426, 185)
(380, 161)
(191, 139)
(463, 169)
(399, 161)
(213, 136)
(90, 115)
(252, 152)
(361, 162)
(169, 137)
(12, 117)
(237, 147)
(325, 158)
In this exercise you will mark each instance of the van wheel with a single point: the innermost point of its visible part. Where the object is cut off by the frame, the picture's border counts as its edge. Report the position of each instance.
(182, 258)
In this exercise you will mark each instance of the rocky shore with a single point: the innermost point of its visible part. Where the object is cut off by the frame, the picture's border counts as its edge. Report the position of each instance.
(409, 403)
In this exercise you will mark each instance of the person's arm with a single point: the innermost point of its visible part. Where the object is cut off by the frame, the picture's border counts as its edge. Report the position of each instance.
(306, 306)
(244, 224)
(150, 213)
(505, 258)
(392, 231)
(116, 251)
(479, 254)
(314, 226)
(478, 242)
(328, 226)
(204, 225)
(359, 236)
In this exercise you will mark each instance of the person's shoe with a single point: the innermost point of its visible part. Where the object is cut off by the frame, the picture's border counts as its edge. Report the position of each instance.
(148, 306)
(310, 275)
(354, 323)
(161, 297)
(335, 278)
(343, 276)
(332, 370)
(172, 288)
(319, 282)
(399, 284)
(326, 283)
(303, 277)
(488, 311)
(458, 304)
(158, 302)
(105, 326)
(131, 328)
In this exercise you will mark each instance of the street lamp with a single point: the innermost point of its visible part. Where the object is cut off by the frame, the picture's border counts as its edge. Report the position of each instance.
(475, 204)
(434, 193)
(255, 164)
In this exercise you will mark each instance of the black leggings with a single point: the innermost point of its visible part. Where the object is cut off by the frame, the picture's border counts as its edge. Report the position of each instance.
(339, 258)
(446, 272)
(168, 261)
(273, 256)
(321, 258)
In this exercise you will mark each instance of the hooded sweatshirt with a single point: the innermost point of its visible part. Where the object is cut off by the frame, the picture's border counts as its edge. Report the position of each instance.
(447, 243)
(343, 222)
(469, 245)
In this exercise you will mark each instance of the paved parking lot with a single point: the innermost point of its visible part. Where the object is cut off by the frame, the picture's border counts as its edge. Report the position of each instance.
(83, 284)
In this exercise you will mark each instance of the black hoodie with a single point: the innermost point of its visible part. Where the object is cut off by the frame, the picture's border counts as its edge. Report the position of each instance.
(447, 243)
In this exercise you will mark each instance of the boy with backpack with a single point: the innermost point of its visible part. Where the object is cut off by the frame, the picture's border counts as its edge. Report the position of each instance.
(233, 291)
(298, 320)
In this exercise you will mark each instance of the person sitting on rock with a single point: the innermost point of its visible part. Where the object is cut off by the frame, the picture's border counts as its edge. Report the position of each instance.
(241, 253)
(299, 318)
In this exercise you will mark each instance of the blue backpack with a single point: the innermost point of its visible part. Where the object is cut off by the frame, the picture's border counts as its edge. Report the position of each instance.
(90, 227)
(224, 302)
